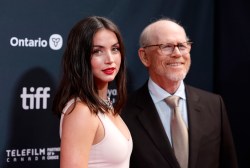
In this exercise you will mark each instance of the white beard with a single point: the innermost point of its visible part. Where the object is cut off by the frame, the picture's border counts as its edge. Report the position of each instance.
(176, 76)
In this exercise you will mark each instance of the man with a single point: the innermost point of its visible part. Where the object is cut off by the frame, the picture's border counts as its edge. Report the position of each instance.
(165, 52)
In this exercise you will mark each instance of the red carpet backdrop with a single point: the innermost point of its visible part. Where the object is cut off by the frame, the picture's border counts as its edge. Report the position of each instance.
(32, 41)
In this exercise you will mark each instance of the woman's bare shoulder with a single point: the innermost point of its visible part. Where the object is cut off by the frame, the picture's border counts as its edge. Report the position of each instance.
(78, 118)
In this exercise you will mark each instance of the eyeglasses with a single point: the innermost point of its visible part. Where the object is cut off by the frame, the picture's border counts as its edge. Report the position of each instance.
(167, 49)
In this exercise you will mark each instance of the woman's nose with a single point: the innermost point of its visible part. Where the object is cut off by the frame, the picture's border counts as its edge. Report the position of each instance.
(109, 57)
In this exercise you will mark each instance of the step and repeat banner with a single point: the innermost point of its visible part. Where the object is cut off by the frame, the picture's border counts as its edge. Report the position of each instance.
(32, 41)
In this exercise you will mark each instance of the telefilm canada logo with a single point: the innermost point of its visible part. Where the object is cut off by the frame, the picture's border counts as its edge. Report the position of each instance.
(32, 154)
(55, 42)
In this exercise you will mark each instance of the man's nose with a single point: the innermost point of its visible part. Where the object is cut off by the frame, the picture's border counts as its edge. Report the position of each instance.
(176, 51)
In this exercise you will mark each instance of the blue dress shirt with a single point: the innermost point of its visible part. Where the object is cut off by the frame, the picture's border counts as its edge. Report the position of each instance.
(158, 95)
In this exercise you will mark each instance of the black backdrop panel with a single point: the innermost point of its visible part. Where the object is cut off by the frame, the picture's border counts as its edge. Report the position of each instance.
(233, 69)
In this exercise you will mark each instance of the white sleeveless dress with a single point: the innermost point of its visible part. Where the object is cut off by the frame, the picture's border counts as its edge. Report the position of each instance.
(113, 151)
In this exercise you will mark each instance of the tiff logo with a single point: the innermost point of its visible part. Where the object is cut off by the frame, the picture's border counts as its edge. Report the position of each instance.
(35, 98)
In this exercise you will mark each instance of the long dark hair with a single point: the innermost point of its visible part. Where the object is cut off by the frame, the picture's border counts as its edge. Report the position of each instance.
(77, 78)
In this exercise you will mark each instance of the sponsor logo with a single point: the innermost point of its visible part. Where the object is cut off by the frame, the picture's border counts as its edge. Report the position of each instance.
(55, 42)
(35, 98)
(32, 154)
(112, 93)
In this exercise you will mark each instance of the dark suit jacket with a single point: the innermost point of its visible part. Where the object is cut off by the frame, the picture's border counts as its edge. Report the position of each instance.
(210, 139)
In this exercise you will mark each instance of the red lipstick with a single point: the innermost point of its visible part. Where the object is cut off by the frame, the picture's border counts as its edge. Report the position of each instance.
(109, 71)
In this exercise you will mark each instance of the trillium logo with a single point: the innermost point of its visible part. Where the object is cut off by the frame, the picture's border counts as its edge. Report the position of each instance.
(55, 42)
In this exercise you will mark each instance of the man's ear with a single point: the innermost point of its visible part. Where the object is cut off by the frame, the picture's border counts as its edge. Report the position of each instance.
(143, 57)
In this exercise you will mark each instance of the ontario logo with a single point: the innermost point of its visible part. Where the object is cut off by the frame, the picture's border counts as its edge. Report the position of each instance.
(55, 42)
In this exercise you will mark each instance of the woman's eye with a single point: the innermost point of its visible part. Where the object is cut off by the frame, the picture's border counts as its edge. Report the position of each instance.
(97, 52)
(116, 49)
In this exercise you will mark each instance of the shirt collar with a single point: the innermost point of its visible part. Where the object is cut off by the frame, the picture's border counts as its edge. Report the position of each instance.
(159, 94)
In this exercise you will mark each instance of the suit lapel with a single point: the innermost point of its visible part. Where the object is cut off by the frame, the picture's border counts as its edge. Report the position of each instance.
(150, 120)
(195, 124)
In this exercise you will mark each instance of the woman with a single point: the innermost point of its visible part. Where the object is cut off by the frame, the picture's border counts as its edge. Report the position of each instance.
(92, 132)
